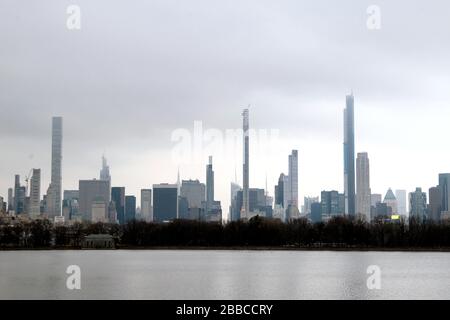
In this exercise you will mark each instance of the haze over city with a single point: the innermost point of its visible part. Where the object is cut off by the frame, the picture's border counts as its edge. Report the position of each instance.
(133, 75)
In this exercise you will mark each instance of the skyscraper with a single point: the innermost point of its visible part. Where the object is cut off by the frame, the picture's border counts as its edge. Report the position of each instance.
(10, 199)
(293, 178)
(349, 156)
(18, 206)
(146, 204)
(363, 185)
(401, 202)
(93, 192)
(279, 190)
(391, 201)
(209, 185)
(418, 205)
(444, 185)
(118, 197)
(330, 203)
(35, 193)
(245, 205)
(307, 203)
(194, 192)
(104, 172)
(165, 202)
(234, 210)
(130, 208)
(435, 198)
(55, 190)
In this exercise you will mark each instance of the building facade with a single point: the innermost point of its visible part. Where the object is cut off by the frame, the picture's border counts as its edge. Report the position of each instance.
(363, 191)
(349, 156)
(165, 202)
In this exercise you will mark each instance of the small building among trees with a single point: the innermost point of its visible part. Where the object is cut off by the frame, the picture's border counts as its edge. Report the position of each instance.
(98, 241)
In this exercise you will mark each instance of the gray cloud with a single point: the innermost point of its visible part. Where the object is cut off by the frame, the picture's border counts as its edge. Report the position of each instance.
(138, 70)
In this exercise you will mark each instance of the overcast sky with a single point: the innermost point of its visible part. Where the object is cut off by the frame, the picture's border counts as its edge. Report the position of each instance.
(139, 71)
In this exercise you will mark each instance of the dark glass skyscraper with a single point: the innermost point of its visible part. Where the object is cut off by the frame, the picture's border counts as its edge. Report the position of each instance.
(444, 185)
(118, 196)
(165, 202)
(130, 208)
(349, 156)
(209, 185)
(246, 167)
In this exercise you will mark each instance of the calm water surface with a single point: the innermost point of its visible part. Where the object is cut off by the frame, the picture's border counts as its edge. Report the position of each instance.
(183, 274)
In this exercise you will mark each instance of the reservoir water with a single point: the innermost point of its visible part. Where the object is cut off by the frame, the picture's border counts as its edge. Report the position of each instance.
(224, 274)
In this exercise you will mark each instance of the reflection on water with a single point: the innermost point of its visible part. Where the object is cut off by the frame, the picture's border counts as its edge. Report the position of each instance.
(179, 274)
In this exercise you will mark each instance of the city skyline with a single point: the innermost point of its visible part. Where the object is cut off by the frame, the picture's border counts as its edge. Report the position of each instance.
(296, 86)
(95, 195)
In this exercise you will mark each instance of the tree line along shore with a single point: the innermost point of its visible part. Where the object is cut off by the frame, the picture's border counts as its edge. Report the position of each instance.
(339, 233)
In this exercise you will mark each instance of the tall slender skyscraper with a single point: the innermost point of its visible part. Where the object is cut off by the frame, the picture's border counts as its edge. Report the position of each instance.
(55, 189)
(245, 203)
(444, 185)
(35, 193)
(16, 199)
(209, 185)
(363, 185)
(401, 202)
(104, 172)
(349, 156)
(10, 199)
(293, 178)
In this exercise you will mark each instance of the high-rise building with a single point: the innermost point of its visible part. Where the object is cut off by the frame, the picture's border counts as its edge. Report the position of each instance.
(257, 203)
(401, 202)
(363, 191)
(307, 203)
(99, 211)
(146, 205)
(316, 212)
(444, 185)
(209, 185)
(391, 201)
(246, 168)
(375, 198)
(92, 191)
(19, 196)
(71, 205)
(104, 172)
(349, 156)
(118, 197)
(54, 193)
(435, 207)
(18, 206)
(293, 178)
(165, 199)
(10, 199)
(35, 193)
(279, 190)
(330, 203)
(194, 193)
(235, 211)
(418, 205)
(130, 208)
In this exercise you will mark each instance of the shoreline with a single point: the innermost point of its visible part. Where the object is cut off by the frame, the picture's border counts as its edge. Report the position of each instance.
(237, 248)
